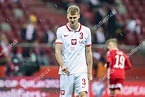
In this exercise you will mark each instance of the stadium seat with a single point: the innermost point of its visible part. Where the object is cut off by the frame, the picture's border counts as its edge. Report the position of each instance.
(142, 2)
(131, 39)
(6, 27)
(18, 13)
(143, 31)
(10, 35)
(2, 18)
(135, 72)
(40, 35)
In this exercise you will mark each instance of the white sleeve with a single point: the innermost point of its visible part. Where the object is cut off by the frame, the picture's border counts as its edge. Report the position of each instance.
(58, 37)
(89, 38)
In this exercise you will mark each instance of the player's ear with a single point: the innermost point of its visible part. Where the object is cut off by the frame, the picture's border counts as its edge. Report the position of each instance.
(78, 16)
(67, 15)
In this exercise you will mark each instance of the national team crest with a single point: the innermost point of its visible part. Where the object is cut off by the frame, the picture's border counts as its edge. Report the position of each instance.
(62, 92)
(73, 41)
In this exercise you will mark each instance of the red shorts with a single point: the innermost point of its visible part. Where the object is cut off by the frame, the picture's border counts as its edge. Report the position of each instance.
(116, 84)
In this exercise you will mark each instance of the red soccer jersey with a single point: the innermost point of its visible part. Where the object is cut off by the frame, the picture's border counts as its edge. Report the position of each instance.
(118, 62)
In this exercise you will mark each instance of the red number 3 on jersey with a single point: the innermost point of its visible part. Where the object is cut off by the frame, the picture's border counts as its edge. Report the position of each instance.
(81, 35)
(84, 81)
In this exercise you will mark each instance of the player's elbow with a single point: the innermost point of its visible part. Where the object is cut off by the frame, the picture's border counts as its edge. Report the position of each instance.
(130, 66)
(106, 65)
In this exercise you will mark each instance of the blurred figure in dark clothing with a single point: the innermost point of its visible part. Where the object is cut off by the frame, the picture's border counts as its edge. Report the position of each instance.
(100, 15)
(99, 37)
(49, 35)
(14, 64)
(28, 32)
(94, 3)
(112, 23)
(119, 32)
(108, 1)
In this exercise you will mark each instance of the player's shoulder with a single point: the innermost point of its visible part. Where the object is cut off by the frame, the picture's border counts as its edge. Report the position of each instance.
(85, 27)
(121, 52)
(86, 30)
(108, 53)
(124, 53)
(61, 27)
(113, 52)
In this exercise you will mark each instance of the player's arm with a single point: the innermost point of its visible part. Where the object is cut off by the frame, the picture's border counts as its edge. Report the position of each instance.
(58, 51)
(89, 61)
(127, 64)
(89, 58)
(58, 55)
(108, 59)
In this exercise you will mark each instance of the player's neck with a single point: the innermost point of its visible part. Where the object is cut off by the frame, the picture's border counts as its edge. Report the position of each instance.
(115, 48)
(74, 27)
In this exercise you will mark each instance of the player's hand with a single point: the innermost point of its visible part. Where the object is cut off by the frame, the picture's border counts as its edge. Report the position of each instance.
(105, 65)
(90, 77)
(64, 69)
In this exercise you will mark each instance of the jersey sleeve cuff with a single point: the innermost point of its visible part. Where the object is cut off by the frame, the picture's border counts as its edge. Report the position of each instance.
(58, 42)
(88, 45)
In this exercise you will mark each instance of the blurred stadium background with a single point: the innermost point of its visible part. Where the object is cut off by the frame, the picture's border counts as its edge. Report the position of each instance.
(27, 33)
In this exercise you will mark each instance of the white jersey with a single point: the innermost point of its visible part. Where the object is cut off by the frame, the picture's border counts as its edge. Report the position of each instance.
(73, 47)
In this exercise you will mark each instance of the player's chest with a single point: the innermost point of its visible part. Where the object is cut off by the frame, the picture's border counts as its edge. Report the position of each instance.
(74, 38)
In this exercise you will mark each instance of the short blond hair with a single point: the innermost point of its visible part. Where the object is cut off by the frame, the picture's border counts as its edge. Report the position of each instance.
(114, 40)
(73, 9)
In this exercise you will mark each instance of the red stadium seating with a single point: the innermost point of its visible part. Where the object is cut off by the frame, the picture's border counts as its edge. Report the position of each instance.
(135, 73)
(2, 71)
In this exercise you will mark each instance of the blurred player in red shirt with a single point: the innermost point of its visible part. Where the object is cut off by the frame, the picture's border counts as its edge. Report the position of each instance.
(117, 62)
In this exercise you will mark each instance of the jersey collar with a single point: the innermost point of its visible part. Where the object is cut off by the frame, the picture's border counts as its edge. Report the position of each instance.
(78, 29)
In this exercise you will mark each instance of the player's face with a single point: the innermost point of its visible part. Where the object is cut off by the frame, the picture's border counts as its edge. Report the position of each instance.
(111, 45)
(73, 19)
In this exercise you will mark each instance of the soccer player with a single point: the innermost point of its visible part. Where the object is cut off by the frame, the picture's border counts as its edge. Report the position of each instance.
(74, 55)
(117, 62)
